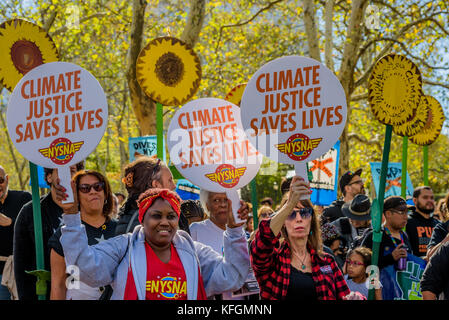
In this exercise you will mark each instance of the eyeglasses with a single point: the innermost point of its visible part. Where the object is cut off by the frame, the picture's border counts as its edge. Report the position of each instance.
(3, 179)
(305, 213)
(85, 188)
(354, 263)
(400, 212)
(356, 182)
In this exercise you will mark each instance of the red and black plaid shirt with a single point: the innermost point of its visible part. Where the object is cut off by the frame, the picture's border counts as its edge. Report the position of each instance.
(272, 266)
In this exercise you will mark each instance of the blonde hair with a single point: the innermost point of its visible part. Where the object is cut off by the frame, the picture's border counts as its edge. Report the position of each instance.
(442, 208)
(263, 210)
(314, 239)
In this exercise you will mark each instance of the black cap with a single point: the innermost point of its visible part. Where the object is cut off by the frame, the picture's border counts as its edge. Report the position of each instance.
(347, 177)
(358, 208)
(267, 199)
(395, 202)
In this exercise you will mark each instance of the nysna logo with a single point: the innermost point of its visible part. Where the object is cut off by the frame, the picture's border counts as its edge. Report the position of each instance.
(299, 146)
(227, 175)
(61, 151)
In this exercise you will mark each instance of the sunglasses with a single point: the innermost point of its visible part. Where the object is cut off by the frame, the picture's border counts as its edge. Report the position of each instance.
(356, 182)
(354, 263)
(305, 213)
(2, 179)
(85, 188)
(400, 212)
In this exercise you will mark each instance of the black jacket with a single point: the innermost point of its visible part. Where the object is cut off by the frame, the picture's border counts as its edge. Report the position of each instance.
(439, 233)
(333, 212)
(436, 275)
(386, 247)
(10, 207)
(419, 232)
(24, 244)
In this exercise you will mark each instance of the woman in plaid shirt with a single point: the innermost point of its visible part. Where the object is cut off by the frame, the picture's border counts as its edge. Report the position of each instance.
(297, 268)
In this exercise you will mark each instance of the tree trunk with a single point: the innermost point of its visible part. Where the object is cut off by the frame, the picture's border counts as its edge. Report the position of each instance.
(328, 36)
(194, 22)
(145, 108)
(346, 74)
(311, 31)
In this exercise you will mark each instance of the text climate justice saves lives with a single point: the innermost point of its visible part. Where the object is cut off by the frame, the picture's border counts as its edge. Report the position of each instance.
(308, 100)
(214, 137)
(52, 98)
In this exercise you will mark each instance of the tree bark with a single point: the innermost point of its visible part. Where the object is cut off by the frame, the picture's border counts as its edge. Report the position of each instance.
(145, 108)
(311, 31)
(194, 22)
(346, 73)
(328, 23)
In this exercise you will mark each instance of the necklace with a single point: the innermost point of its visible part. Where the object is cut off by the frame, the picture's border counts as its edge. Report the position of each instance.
(303, 266)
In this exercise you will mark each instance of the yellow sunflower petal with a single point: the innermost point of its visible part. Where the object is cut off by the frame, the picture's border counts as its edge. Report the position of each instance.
(433, 126)
(394, 89)
(26, 46)
(236, 93)
(168, 71)
(416, 122)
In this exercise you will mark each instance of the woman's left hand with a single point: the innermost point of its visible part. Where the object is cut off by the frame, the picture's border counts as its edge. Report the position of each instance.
(242, 214)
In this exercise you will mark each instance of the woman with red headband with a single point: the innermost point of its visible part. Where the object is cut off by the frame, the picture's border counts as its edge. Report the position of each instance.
(157, 261)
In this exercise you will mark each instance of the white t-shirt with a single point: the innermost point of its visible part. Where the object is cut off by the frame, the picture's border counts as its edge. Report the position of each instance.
(210, 234)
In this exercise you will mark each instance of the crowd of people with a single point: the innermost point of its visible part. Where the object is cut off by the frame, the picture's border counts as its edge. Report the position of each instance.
(151, 245)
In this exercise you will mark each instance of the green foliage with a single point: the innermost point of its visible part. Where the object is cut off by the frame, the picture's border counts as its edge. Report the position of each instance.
(237, 38)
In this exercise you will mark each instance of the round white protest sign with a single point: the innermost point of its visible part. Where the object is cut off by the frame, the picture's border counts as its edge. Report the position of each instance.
(208, 146)
(57, 114)
(295, 109)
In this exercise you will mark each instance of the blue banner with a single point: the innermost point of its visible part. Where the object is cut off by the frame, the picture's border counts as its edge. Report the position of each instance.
(403, 285)
(186, 190)
(41, 178)
(394, 179)
(324, 180)
(146, 145)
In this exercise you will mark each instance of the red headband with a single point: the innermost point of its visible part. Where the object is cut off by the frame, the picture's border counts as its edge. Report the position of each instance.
(148, 201)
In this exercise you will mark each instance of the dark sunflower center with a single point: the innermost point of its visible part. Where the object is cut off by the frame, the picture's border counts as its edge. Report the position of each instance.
(25, 55)
(169, 69)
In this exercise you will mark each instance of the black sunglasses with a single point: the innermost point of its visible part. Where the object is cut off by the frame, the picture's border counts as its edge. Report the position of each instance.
(305, 213)
(2, 179)
(85, 188)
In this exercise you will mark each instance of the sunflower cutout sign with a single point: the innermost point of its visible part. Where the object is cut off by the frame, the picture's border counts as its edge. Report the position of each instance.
(236, 93)
(394, 89)
(24, 47)
(169, 72)
(412, 126)
(430, 132)
(433, 125)
(417, 120)
(395, 97)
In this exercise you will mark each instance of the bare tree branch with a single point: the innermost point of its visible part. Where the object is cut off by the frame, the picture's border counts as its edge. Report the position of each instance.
(65, 28)
(239, 24)
(359, 97)
(433, 83)
(388, 47)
